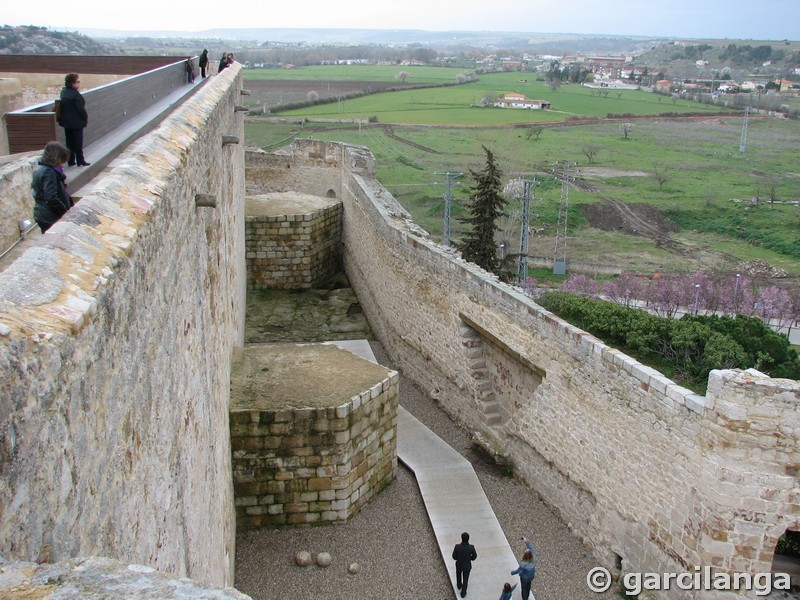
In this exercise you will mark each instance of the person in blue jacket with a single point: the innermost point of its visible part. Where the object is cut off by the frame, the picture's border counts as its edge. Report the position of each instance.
(49, 186)
(526, 569)
(508, 590)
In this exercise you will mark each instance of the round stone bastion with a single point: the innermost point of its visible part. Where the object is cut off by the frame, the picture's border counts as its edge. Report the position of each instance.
(313, 433)
(292, 240)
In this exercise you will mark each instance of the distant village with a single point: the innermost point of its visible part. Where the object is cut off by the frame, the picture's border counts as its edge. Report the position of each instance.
(617, 71)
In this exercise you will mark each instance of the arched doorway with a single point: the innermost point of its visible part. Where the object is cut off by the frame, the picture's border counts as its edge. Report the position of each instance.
(787, 556)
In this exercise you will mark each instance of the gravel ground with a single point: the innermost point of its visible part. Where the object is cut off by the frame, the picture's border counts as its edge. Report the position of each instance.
(392, 541)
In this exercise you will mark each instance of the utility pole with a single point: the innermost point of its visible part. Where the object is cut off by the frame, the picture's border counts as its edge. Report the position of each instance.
(564, 171)
(743, 140)
(522, 261)
(449, 182)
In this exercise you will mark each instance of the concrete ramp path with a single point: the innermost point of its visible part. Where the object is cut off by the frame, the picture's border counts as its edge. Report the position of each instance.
(455, 501)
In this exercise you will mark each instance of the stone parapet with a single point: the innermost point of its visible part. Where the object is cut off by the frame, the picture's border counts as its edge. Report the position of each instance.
(313, 434)
(16, 174)
(97, 577)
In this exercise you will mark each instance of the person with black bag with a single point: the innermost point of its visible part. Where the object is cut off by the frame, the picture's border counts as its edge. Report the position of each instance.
(74, 119)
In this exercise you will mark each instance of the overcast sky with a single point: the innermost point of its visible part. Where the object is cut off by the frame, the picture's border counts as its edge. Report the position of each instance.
(740, 19)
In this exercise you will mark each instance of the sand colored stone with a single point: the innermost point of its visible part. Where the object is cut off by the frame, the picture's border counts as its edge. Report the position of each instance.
(286, 203)
(289, 376)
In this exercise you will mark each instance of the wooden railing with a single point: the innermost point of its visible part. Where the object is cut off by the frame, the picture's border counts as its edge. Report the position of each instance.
(104, 65)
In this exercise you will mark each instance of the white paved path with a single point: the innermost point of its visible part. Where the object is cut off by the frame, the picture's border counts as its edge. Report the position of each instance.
(455, 501)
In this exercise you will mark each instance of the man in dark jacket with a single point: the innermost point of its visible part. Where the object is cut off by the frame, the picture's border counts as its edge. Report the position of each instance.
(74, 119)
(463, 553)
(203, 63)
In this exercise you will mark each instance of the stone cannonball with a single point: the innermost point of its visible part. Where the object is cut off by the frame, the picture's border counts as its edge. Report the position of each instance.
(302, 558)
(324, 559)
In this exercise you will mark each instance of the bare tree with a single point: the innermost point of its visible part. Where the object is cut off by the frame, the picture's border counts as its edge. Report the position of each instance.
(488, 99)
(626, 130)
(675, 98)
(312, 96)
(402, 76)
(772, 189)
(591, 150)
(461, 78)
(554, 83)
(535, 130)
(660, 174)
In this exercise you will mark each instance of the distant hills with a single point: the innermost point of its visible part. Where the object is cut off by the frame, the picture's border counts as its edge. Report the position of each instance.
(438, 40)
(30, 39)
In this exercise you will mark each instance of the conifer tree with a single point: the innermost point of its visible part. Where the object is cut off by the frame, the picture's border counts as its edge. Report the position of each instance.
(486, 204)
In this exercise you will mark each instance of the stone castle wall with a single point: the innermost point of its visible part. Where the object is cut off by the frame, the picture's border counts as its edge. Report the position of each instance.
(116, 335)
(649, 474)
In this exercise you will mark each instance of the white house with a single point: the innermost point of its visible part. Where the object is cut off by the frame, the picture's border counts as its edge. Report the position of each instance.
(513, 100)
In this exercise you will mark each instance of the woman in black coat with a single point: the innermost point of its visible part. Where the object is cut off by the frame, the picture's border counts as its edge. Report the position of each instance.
(73, 118)
(50, 187)
(203, 63)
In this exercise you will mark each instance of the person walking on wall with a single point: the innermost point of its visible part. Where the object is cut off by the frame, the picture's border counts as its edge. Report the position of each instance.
(223, 62)
(74, 119)
(203, 63)
(463, 553)
(507, 592)
(49, 186)
(189, 71)
(526, 569)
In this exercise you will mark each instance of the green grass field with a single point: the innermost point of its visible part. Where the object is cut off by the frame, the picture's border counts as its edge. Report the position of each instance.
(706, 176)
(366, 73)
(457, 105)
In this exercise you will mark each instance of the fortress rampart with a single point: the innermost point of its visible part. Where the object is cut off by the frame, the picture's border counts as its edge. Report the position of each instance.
(116, 335)
(652, 476)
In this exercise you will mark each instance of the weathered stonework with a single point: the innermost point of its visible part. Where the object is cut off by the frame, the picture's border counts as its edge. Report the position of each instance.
(293, 241)
(648, 473)
(16, 173)
(313, 433)
(116, 332)
(101, 578)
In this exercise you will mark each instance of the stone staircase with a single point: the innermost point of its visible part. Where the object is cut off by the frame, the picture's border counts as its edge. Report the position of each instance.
(489, 406)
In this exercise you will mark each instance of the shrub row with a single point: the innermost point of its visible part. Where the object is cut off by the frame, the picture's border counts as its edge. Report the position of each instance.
(685, 349)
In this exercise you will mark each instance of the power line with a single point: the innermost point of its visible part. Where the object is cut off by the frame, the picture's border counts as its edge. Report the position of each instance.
(564, 172)
(743, 140)
(449, 183)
